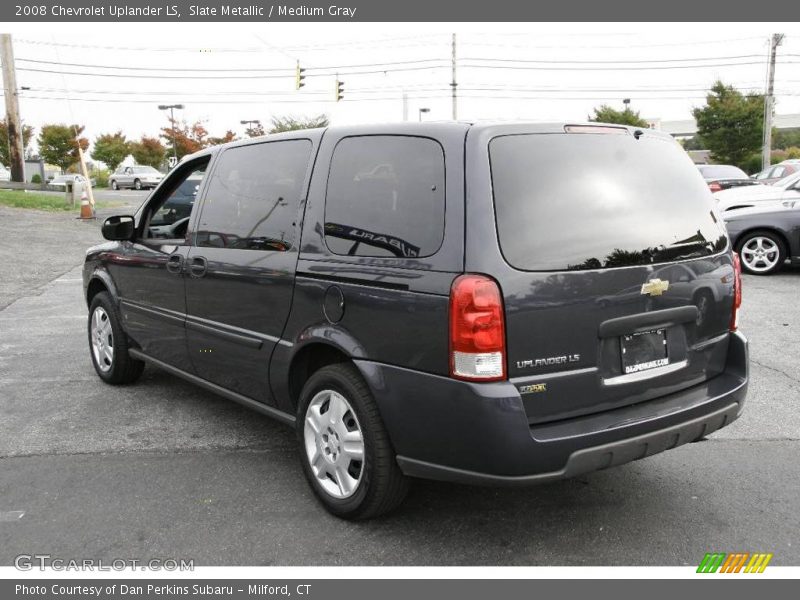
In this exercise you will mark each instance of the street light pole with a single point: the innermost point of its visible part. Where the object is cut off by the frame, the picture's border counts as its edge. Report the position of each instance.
(248, 123)
(171, 108)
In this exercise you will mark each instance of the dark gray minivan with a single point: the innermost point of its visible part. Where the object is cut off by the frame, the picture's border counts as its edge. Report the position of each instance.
(490, 304)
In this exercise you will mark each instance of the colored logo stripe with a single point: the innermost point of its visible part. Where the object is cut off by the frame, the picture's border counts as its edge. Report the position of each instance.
(734, 562)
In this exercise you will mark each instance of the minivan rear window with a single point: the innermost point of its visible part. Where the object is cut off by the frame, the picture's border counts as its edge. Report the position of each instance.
(592, 201)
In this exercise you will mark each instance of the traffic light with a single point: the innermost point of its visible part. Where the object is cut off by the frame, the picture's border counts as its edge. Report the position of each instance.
(339, 89)
(299, 77)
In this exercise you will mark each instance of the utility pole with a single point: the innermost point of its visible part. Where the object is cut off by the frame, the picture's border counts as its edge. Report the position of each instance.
(769, 100)
(453, 83)
(405, 106)
(15, 146)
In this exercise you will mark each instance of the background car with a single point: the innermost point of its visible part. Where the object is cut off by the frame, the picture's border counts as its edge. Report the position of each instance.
(777, 172)
(723, 177)
(61, 180)
(5, 174)
(787, 189)
(765, 237)
(136, 177)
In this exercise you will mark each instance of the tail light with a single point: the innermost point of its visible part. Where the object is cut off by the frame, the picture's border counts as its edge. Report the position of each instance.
(737, 292)
(714, 186)
(477, 329)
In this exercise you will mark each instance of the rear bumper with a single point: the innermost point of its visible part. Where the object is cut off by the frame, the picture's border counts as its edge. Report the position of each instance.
(479, 433)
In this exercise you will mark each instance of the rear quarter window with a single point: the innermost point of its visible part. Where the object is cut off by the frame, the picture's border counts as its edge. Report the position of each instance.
(594, 201)
(385, 197)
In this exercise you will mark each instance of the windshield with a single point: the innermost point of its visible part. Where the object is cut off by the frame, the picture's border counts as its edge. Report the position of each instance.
(722, 172)
(787, 181)
(593, 201)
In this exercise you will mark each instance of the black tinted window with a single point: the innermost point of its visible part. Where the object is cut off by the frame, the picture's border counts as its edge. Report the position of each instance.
(253, 196)
(385, 197)
(591, 201)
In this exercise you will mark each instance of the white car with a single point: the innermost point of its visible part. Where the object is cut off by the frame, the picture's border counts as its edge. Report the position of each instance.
(136, 177)
(5, 174)
(783, 190)
(61, 180)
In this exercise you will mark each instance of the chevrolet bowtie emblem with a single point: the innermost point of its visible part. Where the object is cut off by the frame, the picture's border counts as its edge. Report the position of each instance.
(655, 287)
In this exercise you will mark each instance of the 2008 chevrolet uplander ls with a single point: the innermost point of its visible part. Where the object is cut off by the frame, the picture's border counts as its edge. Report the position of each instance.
(500, 304)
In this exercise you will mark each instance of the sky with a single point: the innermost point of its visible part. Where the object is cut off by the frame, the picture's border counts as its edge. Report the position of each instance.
(112, 77)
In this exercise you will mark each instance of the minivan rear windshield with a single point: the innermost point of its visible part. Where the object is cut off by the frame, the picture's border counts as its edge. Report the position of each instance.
(594, 201)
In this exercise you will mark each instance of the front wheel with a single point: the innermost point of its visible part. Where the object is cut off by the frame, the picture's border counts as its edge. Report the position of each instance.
(762, 252)
(346, 454)
(108, 344)
(114, 185)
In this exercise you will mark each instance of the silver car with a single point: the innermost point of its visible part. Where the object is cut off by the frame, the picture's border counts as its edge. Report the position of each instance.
(136, 177)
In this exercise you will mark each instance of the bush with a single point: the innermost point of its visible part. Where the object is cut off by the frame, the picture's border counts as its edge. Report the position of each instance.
(36, 178)
(101, 178)
(752, 165)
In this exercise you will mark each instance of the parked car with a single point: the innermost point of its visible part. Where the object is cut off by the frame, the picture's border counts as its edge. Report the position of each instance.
(765, 236)
(136, 177)
(724, 177)
(452, 315)
(777, 172)
(5, 174)
(61, 180)
(785, 190)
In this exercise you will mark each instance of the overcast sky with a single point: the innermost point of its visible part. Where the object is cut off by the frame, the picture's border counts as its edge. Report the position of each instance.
(227, 73)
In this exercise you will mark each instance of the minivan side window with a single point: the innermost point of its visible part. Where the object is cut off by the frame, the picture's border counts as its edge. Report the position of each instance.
(253, 196)
(385, 197)
(168, 214)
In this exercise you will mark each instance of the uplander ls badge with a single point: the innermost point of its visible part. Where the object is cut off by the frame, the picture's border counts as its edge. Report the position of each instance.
(655, 287)
(550, 360)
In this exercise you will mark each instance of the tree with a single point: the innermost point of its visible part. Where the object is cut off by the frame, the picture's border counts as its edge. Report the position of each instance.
(731, 124)
(27, 134)
(228, 137)
(148, 151)
(58, 144)
(111, 148)
(606, 114)
(187, 139)
(280, 124)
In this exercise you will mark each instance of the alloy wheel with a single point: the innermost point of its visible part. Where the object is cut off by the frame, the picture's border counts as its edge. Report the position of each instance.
(760, 254)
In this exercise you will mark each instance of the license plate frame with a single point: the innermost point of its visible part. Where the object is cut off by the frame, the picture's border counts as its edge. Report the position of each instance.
(643, 351)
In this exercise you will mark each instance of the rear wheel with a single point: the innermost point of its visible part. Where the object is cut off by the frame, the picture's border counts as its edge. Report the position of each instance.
(137, 184)
(762, 252)
(108, 344)
(346, 453)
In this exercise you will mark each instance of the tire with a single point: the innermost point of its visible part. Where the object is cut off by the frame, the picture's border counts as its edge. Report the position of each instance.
(761, 252)
(114, 184)
(105, 331)
(358, 491)
(137, 184)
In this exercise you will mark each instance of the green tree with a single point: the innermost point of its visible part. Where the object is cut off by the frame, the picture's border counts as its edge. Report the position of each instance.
(111, 148)
(58, 144)
(148, 151)
(785, 138)
(731, 124)
(280, 124)
(27, 134)
(606, 114)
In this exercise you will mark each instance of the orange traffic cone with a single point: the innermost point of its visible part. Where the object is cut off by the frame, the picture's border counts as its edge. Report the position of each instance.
(87, 212)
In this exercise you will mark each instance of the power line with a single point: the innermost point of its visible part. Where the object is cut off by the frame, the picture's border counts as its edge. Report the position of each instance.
(620, 61)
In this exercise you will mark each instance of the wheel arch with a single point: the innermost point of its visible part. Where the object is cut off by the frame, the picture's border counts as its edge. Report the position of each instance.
(100, 281)
(308, 359)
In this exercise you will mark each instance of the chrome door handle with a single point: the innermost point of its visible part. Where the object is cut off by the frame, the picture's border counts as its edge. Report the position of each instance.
(198, 266)
(175, 263)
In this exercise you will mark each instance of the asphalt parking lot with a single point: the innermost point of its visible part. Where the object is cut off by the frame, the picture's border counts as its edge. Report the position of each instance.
(162, 469)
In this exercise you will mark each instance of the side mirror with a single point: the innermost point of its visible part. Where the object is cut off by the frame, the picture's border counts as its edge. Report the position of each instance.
(118, 228)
